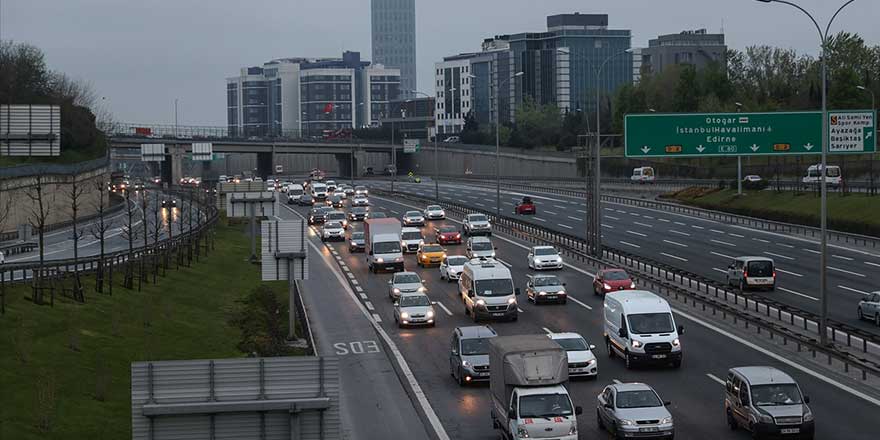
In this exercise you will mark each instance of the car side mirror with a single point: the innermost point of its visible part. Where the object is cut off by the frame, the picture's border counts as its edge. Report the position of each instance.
(396, 304)
(390, 282)
(592, 347)
(806, 399)
(667, 403)
(609, 405)
(454, 352)
(495, 247)
(471, 294)
(680, 330)
(578, 410)
(517, 292)
(622, 332)
(564, 284)
(433, 303)
(511, 414)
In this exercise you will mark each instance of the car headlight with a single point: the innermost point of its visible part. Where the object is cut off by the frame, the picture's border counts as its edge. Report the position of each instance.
(676, 342)
(632, 285)
(542, 293)
(403, 243)
(430, 314)
(398, 259)
(380, 260)
(444, 255)
(573, 430)
(666, 420)
(626, 422)
(561, 292)
(808, 415)
(396, 290)
(765, 418)
(424, 257)
(522, 432)
(421, 242)
(606, 286)
(558, 259)
(404, 315)
(636, 344)
(511, 300)
(493, 254)
(422, 289)
(457, 236)
(481, 302)
(591, 362)
(465, 364)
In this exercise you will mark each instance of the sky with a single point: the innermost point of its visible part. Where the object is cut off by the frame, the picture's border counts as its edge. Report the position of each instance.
(141, 55)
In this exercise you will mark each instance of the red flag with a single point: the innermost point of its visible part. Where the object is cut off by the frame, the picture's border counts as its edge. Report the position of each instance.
(328, 108)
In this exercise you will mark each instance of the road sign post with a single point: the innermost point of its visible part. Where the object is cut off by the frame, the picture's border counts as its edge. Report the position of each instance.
(412, 145)
(852, 131)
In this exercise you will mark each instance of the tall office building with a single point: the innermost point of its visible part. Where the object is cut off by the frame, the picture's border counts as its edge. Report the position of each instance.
(559, 67)
(697, 48)
(394, 38)
(309, 95)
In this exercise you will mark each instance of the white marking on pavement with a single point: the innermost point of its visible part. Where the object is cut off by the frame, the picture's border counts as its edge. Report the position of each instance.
(675, 243)
(663, 220)
(736, 235)
(581, 211)
(846, 271)
(564, 226)
(812, 251)
(853, 290)
(872, 264)
(635, 214)
(584, 305)
(679, 233)
(448, 312)
(717, 231)
(612, 217)
(716, 379)
(674, 256)
(359, 289)
(790, 273)
(680, 223)
(364, 296)
(607, 226)
(786, 245)
(719, 270)
(369, 306)
(697, 227)
(560, 207)
(636, 233)
(520, 310)
(575, 218)
(621, 211)
(842, 257)
(648, 217)
(778, 255)
(721, 255)
(797, 293)
(761, 240)
(376, 317)
(546, 329)
(644, 224)
(723, 242)
(551, 212)
(630, 244)
(540, 219)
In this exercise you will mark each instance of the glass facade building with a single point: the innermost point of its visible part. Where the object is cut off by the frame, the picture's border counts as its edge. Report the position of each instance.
(697, 48)
(394, 38)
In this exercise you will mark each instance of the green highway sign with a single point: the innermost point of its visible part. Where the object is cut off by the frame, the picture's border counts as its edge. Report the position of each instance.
(746, 134)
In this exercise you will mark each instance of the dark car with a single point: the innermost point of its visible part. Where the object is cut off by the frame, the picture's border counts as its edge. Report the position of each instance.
(525, 206)
(356, 242)
(335, 201)
(306, 200)
(447, 235)
(469, 356)
(358, 213)
(169, 203)
(612, 280)
(319, 215)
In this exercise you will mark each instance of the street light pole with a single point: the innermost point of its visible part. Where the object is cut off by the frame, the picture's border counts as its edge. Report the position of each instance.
(739, 161)
(871, 157)
(823, 258)
(498, 143)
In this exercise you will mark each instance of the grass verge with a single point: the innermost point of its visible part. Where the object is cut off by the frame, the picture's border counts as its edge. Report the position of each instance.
(856, 213)
(65, 370)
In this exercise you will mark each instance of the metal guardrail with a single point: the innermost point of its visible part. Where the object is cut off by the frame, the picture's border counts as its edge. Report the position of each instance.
(711, 294)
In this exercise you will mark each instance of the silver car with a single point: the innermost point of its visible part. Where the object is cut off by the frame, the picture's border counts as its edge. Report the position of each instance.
(402, 283)
(451, 267)
(869, 308)
(634, 410)
(413, 218)
(545, 288)
(414, 309)
(480, 247)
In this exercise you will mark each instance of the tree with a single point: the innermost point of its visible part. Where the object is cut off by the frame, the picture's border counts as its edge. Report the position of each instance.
(99, 229)
(40, 209)
(129, 232)
(5, 212)
(687, 91)
(74, 194)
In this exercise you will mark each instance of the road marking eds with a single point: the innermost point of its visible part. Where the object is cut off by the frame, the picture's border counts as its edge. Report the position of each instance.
(722, 332)
(374, 320)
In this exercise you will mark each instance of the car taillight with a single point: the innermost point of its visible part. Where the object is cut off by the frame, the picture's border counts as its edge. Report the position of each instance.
(457, 236)
(745, 273)
(774, 274)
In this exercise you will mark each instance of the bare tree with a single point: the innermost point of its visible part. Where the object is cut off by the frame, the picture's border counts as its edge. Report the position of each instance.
(5, 212)
(39, 216)
(156, 225)
(129, 232)
(146, 231)
(100, 227)
(75, 194)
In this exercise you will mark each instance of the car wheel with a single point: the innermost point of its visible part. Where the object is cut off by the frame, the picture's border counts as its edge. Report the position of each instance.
(676, 364)
(599, 421)
(731, 422)
(742, 286)
(628, 362)
(608, 348)
(460, 378)
(564, 301)
(476, 318)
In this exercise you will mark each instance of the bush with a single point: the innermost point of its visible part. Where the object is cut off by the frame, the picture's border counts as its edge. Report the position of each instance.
(262, 321)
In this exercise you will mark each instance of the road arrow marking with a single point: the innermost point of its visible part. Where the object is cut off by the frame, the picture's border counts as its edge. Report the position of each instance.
(808, 146)
(701, 148)
(755, 147)
(646, 149)
(869, 135)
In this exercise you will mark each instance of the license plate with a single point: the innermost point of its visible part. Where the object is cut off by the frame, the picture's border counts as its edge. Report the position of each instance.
(659, 356)
(791, 431)
(498, 314)
(551, 296)
(762, 280)
(649, 429)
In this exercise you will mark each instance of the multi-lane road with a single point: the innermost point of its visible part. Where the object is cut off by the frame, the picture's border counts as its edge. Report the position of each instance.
(695, 389)
(701, 246)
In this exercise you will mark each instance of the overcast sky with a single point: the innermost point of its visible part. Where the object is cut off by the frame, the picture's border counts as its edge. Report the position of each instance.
(142, 54)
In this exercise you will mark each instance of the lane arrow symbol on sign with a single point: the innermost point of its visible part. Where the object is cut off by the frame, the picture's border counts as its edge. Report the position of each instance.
(701, 148)
(755, 147)
(869, 134)
(646, 149)
(808, 147)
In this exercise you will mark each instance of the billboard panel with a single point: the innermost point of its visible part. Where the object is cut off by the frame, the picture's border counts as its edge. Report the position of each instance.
(153, 152)
(202, 151)
(30, 130)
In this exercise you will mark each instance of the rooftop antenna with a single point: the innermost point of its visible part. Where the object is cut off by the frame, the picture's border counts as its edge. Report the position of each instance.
(722, 25)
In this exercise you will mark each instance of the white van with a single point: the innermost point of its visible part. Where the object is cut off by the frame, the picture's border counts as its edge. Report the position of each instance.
(486, 288)
(814, 175)
(295, 191)
(319, 190)
(643, 175)
(640, 328)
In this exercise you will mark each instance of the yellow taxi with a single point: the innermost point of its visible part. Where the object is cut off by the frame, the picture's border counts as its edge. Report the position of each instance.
(430, 254)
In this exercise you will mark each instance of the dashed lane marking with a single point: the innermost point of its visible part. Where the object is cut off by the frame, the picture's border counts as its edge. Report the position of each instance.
(721, 255)
(797, 293)
(786, 245)
(675, 243)
(716, 379)
(630, 244)
(723, 242)
(582, 304)
(448, 312)
(575, 218)
(564, 226)
(847, 271)
(612, 217)
(644, 224)
(842, 257)
(674, 256)
(789, 273)
(862, 292)
(376, 317)
(636, 233)
(679, 233)
(761, 240)
(786, 257)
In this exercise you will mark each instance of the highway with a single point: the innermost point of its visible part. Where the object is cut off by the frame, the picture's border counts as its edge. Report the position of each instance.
(701, 246)
(694, 390)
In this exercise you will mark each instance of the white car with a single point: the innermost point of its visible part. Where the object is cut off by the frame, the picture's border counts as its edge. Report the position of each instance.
(413, 218)
(434, 212)
(581, 359)
(411, 239)
(340, 193)
(414, 309)
(451, 267)
(333, 230)
(361, 190)
(544, 257)
(753, 178)
(405, 283)
(360, 201)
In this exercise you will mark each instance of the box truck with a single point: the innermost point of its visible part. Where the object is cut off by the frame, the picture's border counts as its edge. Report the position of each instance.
(382, 244)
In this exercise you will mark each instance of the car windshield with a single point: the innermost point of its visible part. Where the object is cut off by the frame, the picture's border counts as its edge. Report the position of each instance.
(359, 188)
(478, 218)
(760, 269)
(432, 248)
(333, 225)
(415, 235)
(336, 216)
(414, 301)
(494, 287)
(481, 246)
(434, 208)
(475, 347)
(386, 247)
(573, 344)
(833, 172)
(358, 210)
(647, 323)
(447, 229)
(776, 394)
(544, 406)
(638, 399)
(545, 251)
(413, 214)
(407, 278)
(456, 261)
(357, 236)
(617, 275)
(546, 281)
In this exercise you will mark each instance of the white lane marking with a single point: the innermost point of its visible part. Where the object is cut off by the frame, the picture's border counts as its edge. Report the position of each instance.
(789, 273)
(797, 293)
(617, 381)
(612, 217)
(854, 290)
(609, 209)
(716, 379)
(719, 270)
(647, 217)
(872, 264)
(502, 262)
(369, 306)
(663, 220)
(359, 289)
(644, 224)
(636, 233)
(480, 204)
(674, 256)
(578, 302)
(520, 310)
(675, 243)
(564, 226)
(575, 218)
(721, 255)
(581, 211)
(448, 312)
(546, 330)
(560, 207)
(786, 245)
(364, 296)
(717, 231)
(621, 211)
(355, 282)
(376, 317)
(551, 212)
(842, 257)
(697, 227)
(540, 219)
(680, 223)
(736, 235)
(607, 226)
(635, 214)
(812, 251)
(846, 271)
(630, 244)
(679, 233)
(723, 242)
(781, 358)
(761, 240)
(778, 255)
(395, 212)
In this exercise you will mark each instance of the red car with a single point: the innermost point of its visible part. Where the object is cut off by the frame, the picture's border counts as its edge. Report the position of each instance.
(612, 280)
(448, 235)
(525, 206)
